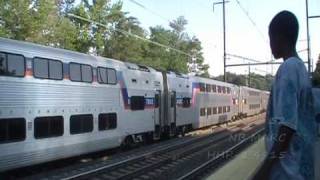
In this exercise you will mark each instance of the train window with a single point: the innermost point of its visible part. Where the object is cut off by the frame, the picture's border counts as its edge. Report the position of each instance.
(12, 65)
(219, 110)
(45, 127)
(81, 123)
(107, 121)
(75, 72)
(224, 90)
(186, 102)
(15, 65)
(214, 110)
(224, 109)
(102, 75)
(173, 100)
(55, 70)
(47, 69)
(156, 100)
(253, 93)
(80, 72)
(208, 87)
(214, 88)
(234, 101)
(12, 130)
(86, 73)
(251, 106)
(228, 90)
(112, 76)
(143, 68)
(254, 106)
(209, 111)
(202, 111)
(137, 102)
(202, 87)
(228, 109)
(40, 68)
(3, 64)
(219, 89)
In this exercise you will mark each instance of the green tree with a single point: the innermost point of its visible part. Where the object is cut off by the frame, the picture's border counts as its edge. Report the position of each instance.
(160, 57)
(196, 50)
(17, 22)
(36, 21)
(127, 47)
(48, 22)
(50, 28)
(83, 40)
(256, 80)
(176, 37)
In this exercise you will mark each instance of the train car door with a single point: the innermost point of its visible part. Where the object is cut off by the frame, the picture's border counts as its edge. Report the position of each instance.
(237, 102)
(157, 115)
(173, 112)
(241, 101)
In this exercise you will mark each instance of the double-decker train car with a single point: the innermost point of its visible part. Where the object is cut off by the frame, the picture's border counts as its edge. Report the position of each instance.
(213, 101)
(264, 100)
(57, 103)
(179, 105)
(250, 101)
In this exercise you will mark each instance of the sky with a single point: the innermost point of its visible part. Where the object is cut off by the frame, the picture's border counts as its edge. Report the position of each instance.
(244, 37)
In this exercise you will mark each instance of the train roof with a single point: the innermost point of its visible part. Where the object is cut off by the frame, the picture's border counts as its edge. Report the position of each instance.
(68, 55)
(249, 88)
(203, 79)
(22, 47)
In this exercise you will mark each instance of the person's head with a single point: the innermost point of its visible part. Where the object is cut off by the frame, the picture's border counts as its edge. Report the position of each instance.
(283, 33)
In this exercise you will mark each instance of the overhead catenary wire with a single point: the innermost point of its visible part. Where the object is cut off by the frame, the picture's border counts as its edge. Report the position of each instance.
(244, 58)
(155, 13)
(139, 4)
(246, 12)
(251, 20)
(142, 6)
(151, 11)
(129, 34)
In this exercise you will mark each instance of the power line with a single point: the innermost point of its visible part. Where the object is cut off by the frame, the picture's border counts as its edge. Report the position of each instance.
(151, 11)
(129, 34)
(244, 58)
(251, 20)
(302, 50)
(154, 12)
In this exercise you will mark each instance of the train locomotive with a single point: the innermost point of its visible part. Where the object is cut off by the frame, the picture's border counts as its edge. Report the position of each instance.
(56, 103)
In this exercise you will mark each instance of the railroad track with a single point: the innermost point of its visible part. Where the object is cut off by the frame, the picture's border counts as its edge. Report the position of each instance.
(158, 162)
(209, 166)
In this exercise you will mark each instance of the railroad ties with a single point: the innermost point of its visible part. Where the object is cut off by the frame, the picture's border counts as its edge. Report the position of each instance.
(184, 158)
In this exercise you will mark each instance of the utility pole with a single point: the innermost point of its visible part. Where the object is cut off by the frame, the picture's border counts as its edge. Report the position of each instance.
(308, 38)
(224, 36)
(310, 63)
(249, 76)
(224, 40)
(193, 67)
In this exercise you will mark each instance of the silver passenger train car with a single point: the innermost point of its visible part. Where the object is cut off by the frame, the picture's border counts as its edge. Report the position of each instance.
(57, 103)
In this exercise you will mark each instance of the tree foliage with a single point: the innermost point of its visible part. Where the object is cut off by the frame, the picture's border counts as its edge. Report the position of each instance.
(47, 22)
(256, 80)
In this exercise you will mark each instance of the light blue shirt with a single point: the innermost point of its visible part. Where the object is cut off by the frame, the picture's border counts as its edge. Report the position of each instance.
(290, 104)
